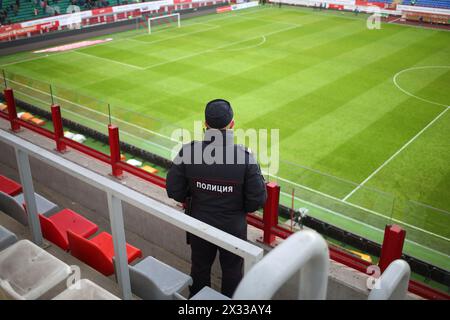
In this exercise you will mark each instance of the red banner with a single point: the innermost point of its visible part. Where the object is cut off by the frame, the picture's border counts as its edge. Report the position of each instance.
(382, 5)
(336, 6)
(181, 1)
(10, 27)
(223, 9)
(16, 30)
(96, 12)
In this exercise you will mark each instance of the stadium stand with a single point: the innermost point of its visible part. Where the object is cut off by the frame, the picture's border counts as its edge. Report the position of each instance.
(445, 4)
(23, 10)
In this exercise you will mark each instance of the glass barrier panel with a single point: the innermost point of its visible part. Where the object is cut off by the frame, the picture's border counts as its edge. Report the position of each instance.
(427, 233)
(147, 133)
(81, 109)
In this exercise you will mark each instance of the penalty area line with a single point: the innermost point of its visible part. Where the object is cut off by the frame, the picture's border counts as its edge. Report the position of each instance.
(395, 154)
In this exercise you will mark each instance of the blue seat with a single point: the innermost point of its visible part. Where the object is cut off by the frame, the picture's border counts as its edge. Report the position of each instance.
(7, 238)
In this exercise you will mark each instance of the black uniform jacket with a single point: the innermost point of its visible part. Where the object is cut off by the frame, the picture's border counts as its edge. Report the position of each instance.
(222, 178)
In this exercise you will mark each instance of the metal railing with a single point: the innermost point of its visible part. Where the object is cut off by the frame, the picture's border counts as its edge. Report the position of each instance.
(304, 255)
(116, 193)
(393, 283)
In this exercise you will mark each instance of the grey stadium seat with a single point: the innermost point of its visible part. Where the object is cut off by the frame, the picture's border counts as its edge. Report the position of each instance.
(7, 238)
(44, 206)
(209, 294)
(152, 279)
(27, 271)
(13, 209)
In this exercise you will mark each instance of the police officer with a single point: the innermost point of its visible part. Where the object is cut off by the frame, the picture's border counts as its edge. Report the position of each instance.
(222, 183)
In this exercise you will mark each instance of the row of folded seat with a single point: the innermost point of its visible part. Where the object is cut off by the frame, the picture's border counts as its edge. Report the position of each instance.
(65, 228)
(150, 278)
(28, 271)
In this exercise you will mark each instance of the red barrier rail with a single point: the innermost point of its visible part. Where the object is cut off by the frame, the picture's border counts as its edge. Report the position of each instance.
(159, 181)
(269, 222)
(58, 129)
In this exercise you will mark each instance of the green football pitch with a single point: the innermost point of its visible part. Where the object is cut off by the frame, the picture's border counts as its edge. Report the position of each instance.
(363, 114)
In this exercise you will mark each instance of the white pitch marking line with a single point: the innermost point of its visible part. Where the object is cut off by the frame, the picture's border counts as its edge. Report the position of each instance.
(97, 112)
(32, 59)
(395, 154)
(358, 207)
(365, 224)
(100, 123)
(212, 19)
(216, 48)
(395, 20)
(416, 136)
(61, 52)
(143, 42)
(409, 93)
(249, 47)
(270, 20)
(109, 60)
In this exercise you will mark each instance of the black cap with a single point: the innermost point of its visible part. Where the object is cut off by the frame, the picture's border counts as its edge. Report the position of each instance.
(218, 113)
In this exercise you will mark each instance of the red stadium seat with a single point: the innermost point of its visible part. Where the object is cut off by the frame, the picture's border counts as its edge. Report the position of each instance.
(98, 252)
(9, 186)
(55, 227)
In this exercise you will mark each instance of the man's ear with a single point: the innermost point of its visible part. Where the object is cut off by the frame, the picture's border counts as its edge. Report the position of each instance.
(206, 125)
(231, 125)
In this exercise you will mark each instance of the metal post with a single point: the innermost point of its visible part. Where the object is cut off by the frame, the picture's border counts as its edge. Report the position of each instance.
(394, 237)
(114, 147)
(271, 212)
(58, 128)
(23, 163)
(120, 249)
(12, 111)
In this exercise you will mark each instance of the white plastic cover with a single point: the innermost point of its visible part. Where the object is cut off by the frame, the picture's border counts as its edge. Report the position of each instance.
(69, 135)
(85, 289)
(134, 162)
(27, 271)
(79, 138)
